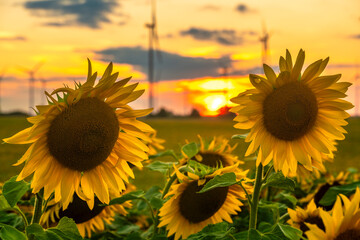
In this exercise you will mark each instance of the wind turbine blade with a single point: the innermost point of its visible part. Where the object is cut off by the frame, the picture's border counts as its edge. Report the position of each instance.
(23, 69)
(37, 66)
(153, 12)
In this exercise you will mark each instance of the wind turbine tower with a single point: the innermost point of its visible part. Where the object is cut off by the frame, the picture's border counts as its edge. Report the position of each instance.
(153, 46)
(1, 78)
(264, 39)
(31, 73)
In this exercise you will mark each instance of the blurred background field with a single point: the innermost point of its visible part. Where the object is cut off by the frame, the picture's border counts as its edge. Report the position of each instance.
(175, 131)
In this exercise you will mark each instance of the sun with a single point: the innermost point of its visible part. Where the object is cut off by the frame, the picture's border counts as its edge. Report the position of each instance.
(212, 103)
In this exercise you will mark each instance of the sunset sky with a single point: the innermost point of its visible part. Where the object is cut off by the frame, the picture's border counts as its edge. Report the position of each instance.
(196, 38)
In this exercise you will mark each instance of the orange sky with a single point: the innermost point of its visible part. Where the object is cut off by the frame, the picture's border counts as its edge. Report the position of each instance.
(193, 36)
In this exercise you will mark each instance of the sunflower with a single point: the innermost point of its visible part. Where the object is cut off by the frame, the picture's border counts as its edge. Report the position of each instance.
(82, 142)
(87, 220)
(306, 177)
(331, 181)
(154, 143)
(187, 212)
(217, 153)
(299, 217)
(293, 117)
(343, 223)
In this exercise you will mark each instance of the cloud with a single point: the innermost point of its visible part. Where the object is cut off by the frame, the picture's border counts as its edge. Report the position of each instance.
(242, 8)
(89, 13)
(224, 36)
(344, 65)
(356, 36)
(210, 7)
(13, 38)
(173, 66)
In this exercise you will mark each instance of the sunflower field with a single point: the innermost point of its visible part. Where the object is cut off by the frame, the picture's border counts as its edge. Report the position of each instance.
(93, 168)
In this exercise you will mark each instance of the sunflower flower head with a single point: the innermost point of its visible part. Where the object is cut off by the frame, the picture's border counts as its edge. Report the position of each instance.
(293, 117)
(87, 220)
(187, 212)
(216, 153)
(330, 181)
(154, 143)
(342, 223)
(310, 214)
(84, 141)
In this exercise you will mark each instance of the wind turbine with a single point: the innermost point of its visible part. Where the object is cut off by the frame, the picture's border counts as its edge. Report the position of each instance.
(264, 39)
(43, 86)
(226, 64)
(1, 78)
(153, 43)
(31, 73)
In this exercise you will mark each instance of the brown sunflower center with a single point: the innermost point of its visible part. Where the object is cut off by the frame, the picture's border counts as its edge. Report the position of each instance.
(321, 192)
(313, 220)
(79, 210)
(212, 159)
(290, 111)
(349, 235)
(83, 135)
(197, 207)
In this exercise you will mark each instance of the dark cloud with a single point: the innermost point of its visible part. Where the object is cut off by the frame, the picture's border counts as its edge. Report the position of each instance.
(344, 65)
(173, 66)
(242, 8)
(356, 36)
(224, 37)
(255, 70)
(13, 38)
(90, 13)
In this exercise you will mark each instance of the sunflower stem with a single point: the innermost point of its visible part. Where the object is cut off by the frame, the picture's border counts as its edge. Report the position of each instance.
(37, 208)
(18, 210)
(168, 185)
(154, 218)
(267, 174)
(255, 197)
(246, 193)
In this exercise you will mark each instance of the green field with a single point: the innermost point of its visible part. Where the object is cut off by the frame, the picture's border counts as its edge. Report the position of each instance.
(175, 131)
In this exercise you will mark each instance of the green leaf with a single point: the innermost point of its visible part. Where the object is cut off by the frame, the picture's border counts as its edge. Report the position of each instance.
(277, 180)
(190, 149)
(127, 229)
(153, 195)
(156, 202)
(199, 169)
(13, 190)
(352, 170)
(278, 232)
(212, 231)
(10, 233)
(330, 196)
(35, 232)
(289, 231)
(65, 230)
(256, 235)
(290, 198)
(159, 166)
(4, 205)
(239, 136)
(224, 180)
(129, 196)
(170, 153)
